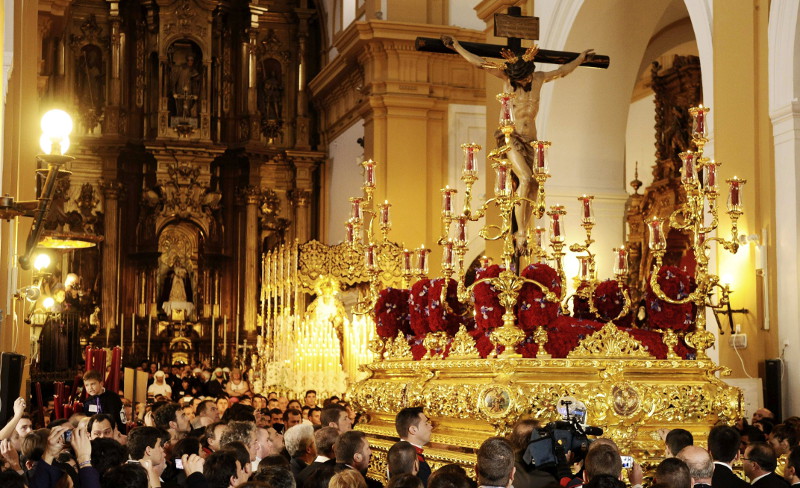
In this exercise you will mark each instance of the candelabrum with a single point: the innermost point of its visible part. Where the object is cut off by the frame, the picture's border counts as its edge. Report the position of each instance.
(506, 200)
(361, 235)
(701, 200)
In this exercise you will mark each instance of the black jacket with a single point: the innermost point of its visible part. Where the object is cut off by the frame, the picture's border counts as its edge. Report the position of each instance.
(107, 402)
(771, 480)
(723, 477)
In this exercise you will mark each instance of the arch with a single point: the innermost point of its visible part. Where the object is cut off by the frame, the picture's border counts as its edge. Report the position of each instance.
(784, 109)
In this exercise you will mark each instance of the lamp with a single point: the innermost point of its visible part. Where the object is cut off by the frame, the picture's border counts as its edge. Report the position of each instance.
(724, 304)
(56, 127)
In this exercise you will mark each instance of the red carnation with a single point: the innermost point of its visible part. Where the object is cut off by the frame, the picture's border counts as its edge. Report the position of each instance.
(676, 284)
(488, 311)
(391, 313)
(534, 310)
(418, 307)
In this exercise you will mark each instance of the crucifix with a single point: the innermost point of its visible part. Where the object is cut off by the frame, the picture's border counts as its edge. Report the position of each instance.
(522, 82)
(514, 27)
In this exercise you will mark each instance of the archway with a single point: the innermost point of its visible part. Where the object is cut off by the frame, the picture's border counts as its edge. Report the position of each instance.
(784, 88)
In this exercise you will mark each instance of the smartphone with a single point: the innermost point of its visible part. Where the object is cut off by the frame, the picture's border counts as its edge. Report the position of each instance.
(178, 463)
(627, 461)
(67, 436)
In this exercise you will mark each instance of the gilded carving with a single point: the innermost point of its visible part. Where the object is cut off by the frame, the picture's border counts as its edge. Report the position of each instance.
(610, 342)
(463, 345)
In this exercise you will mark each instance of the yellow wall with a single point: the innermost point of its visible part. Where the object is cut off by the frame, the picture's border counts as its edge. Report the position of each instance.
(742, 142)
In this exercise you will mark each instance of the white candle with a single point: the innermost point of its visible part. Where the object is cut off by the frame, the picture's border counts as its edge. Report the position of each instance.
(149, 331)
(121, 331)
(224, 334)
(213, 338)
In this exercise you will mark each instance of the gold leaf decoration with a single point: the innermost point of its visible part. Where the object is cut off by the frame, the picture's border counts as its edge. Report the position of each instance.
(463, 345)
(610, 342)
(398, 348)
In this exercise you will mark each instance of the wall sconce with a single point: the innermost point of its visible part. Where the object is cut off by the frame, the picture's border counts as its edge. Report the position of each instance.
(724, 304)
(56, 127)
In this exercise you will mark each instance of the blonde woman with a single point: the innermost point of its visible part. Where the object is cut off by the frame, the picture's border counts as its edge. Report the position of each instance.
(349, 478)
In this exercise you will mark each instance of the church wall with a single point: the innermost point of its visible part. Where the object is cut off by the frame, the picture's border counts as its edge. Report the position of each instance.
(20, 145)
(742, 137)
(784, 44)
(343, 173)
(639, 137)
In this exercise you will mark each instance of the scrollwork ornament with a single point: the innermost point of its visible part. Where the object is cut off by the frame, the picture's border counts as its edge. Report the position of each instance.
(610, 342)
(463, 345)
(398, 348)
(435, 343)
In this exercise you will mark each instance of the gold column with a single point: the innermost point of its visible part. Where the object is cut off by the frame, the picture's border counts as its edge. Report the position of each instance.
(111, 193)
(302, 140)
(20, 146)
(742, 140)
(112, 111)
(251, 254)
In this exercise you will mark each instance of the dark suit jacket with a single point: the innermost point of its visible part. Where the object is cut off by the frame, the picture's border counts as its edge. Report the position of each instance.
(723, 477)
(527, 477)
(771, 480)
(371, 483)
(311, 469)
(297, 465)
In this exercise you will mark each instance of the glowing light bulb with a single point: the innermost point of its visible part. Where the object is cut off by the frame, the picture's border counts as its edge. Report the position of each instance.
(41, 262)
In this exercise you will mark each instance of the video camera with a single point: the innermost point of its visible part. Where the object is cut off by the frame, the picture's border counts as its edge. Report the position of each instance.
(549, 445)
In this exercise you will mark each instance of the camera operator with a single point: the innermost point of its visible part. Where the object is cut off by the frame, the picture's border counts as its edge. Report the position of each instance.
(527, 476)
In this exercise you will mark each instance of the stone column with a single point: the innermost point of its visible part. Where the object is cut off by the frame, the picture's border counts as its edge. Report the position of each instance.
(251, 197)
(302, 216)
(111, 194)
(303, 121)
(112, 115)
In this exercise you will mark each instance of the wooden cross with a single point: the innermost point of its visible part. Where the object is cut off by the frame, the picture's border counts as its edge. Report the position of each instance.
(515, 27)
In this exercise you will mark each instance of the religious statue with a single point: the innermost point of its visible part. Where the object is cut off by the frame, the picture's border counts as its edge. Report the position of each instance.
(525, 83)
(177, 291)
(91, 82)
(185, 86)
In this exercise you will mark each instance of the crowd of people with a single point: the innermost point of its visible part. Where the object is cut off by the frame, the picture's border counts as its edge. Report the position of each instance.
(213, 432)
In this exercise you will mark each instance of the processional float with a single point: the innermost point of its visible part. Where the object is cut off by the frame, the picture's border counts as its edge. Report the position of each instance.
(478, 357)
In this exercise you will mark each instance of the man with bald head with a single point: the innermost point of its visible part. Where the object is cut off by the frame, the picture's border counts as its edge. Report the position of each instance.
(762, 413)
(701, 466)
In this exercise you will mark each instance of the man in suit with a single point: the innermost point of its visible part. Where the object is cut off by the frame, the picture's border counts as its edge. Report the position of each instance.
(759, 463)
(674, 473)
(402, 459)
(415, 427)
(495, 463)
(792, 471)
(353, 452)
(324, 439)
(701, 466)
(723, 443)
(299, 442)
(101, 400)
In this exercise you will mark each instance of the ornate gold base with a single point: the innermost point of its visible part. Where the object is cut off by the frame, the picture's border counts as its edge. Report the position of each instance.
(470, 400)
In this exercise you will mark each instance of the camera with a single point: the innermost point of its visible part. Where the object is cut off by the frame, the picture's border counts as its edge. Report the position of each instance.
(178, 463)
(549, 445)
(627, 462)
(67, 436)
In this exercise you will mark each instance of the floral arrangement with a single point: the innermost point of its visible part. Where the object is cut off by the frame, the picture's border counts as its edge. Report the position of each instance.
(677, 285)
(609, 302)
(565, 333)
(418, 307)
(580, 305)
(391, 312)
(488, 311)
(439, 318)
(534, 310)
